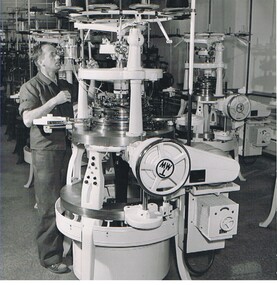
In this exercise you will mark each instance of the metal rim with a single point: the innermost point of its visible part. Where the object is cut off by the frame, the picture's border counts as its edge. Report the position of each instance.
(114, 215)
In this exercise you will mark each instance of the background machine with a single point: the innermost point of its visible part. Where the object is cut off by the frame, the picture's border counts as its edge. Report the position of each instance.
(226, 119)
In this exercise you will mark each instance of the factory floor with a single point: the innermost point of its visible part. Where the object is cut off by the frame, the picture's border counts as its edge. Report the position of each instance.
(250, 255)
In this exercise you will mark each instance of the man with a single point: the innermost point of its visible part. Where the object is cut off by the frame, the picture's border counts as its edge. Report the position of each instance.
(42, 95)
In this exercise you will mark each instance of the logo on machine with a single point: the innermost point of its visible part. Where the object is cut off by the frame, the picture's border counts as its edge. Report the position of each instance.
(165, 168)
(240, 108)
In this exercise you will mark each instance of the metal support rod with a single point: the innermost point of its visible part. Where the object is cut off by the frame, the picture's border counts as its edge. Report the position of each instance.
(29, 40)
(168, 40)
(225, 124)
(82, 52)
(16, 24)
(210, 15)
(144, 200)
(249, 46)
(148, 34)
(248, 67)
(191, 62)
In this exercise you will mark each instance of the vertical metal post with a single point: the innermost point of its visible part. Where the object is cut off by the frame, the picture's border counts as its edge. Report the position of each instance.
(210, 15)
(82, 52)
(248, 66)
(16, 24)
(82, 89)
(191, 62)
(29, 40)
(249, 46)
(144, 200)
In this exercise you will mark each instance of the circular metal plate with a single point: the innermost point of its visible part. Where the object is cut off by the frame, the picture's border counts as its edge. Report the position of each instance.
(102, 7)
(69, 9)
(71, 201)
(109, 136)
(174, 10)
(139, 6)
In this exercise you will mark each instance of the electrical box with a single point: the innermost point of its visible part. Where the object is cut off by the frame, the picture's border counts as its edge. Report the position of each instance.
(257, 135)
(216, 216)
(260, 136)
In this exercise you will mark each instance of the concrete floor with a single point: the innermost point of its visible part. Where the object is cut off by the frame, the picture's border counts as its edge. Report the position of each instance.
(250, 255)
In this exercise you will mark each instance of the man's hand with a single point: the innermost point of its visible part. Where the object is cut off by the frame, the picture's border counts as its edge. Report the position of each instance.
(62, 97)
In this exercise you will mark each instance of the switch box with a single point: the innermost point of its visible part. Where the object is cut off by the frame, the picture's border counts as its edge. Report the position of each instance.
(216, 216)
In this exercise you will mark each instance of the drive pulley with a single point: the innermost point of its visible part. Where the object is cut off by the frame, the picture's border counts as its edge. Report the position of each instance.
(161, 166)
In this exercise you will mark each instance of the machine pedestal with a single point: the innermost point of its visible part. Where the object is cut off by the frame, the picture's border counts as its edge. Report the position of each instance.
(149, 262)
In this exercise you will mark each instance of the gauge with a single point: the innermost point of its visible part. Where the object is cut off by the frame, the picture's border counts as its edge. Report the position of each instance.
(227, 224)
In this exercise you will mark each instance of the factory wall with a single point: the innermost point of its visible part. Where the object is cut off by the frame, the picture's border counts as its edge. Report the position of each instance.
(230, 17)
(262, 74)
(226, 17)
(263, 51)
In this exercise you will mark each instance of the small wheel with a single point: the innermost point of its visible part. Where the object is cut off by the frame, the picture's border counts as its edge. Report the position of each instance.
(238, 107)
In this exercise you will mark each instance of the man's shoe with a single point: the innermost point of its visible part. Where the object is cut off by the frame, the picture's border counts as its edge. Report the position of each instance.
(58, 268)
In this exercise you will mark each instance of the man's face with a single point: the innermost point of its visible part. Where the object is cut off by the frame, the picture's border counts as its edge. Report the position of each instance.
(50, 60)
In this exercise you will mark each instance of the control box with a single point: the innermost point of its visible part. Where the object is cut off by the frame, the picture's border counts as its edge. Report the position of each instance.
(216, 216)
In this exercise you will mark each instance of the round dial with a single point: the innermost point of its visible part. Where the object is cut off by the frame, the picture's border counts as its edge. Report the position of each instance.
(227, 224)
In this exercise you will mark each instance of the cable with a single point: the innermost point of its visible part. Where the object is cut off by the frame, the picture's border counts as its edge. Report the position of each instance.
(194, 271)
(86, 84)
(249, 160)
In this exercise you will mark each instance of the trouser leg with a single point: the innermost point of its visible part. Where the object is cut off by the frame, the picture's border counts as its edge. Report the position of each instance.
(48, 170)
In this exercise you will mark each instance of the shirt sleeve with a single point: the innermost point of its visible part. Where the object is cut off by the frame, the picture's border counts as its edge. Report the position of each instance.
(28, 98)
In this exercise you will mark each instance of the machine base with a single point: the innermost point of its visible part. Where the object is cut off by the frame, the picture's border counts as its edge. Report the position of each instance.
(150, 262)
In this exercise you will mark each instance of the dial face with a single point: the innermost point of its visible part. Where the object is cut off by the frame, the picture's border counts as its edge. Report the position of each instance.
(227, 224)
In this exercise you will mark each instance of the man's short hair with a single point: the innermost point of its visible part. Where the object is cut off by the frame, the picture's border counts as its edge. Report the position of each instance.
(37, 52)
